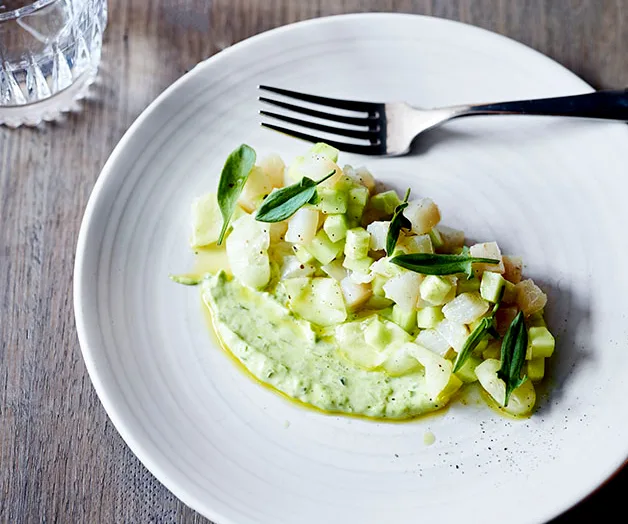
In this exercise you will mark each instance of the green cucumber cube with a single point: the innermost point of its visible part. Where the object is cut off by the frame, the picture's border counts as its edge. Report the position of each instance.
(377, 302)
(491, 286)
(428, 317)
(510, 293)
(434, 289)
(468, 285)
(493, 350)
(358, 198)
(479, 349)
(377, 285)
(331, 201)
(417, 244)
(323, 249)
(436, 238)
(385, 203)
(361, 265)
(304, 256)
(403, 318)
(537, 320)
(386, 313)
(536, 369)
(377, 335)
(541, 343)
(321, 148)
(357, 243)
(467, 372)
(336, 227)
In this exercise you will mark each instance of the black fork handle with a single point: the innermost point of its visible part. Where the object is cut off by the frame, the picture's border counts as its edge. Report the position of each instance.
(609, 105)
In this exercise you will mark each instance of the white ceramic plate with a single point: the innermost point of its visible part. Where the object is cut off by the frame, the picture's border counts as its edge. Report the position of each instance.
(551, 190)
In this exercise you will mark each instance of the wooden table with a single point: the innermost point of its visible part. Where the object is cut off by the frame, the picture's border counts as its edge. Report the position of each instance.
(61, 460)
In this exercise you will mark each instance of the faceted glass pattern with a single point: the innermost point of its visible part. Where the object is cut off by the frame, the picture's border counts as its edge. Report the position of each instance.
(49, 55)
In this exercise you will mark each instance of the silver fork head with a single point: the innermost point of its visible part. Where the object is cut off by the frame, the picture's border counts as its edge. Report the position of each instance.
(364, 123)
(383, 129)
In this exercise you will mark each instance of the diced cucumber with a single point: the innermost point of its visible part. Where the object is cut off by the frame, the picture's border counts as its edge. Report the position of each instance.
(491, 286)
(537, 320)
(541, 343)
(405, 319)
(378, 285)
(274, 168)
(434, 289)
(535, 369)
(247, 251)
(479, 349)
(468, 285)
(436, 238)
(321, 148)
(292, 267)
(404, 290)
(358, 198)
(336, 227)
(386, 268)
(510, 293)
(302, 226)
(432, 340)
(401, 362)
(355, 295)
(417, 244)
(378, 302)
(385, 203)
(454, 333)
(335, 270)
(467, 372)
(323, 249)
(493, 350)
(521, 400)
(378, 231)
(465, 308)
(487, 250)
(429, 317)
(386, 313)
(304, 256)
(331, 201)
(318, 300)
(351, 342)
(357, 243)
(453, 238)
(423, 214)
(377, 335)
(315, 167)
(360, 265)
(513, 266)
(258, 186)
(206, 220)
(364, 177)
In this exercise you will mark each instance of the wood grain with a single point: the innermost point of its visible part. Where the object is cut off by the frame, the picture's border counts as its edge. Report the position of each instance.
(61, 460)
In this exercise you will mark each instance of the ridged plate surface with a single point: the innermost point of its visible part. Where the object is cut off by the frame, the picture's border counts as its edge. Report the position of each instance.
(551, 190)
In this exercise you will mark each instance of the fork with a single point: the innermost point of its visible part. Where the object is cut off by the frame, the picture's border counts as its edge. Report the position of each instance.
(388, 129)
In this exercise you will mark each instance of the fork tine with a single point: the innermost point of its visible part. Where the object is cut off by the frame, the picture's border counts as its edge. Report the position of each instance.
(371, 134)
(373, 149)
(353, 120)
(354, 105)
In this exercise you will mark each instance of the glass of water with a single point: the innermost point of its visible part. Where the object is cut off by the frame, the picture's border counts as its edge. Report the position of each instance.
(49, 55)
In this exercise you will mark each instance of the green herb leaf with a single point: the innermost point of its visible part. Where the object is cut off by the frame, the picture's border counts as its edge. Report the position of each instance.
(234, 175)
(433, 264)
(485, 327)
(397, 222)
(285, 202)
(513, 355)
(187, 280)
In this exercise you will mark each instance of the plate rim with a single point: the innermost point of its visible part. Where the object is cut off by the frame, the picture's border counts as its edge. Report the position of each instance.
(107, 174)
